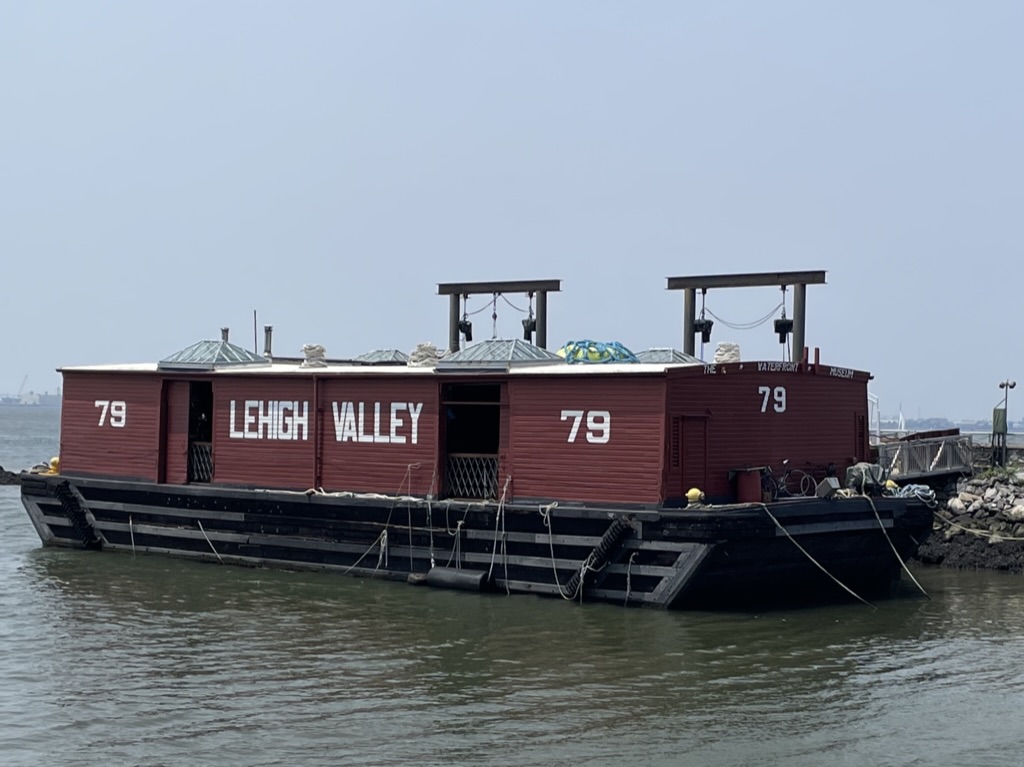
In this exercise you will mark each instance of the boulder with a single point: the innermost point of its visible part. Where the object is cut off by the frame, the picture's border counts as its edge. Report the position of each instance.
(1015, 514)
(956, 505)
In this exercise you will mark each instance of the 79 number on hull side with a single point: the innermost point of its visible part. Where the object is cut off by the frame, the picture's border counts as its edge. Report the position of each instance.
(598, 425)
(117, 410)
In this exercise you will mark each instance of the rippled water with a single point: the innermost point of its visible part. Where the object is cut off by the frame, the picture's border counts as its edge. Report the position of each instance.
(110, 659)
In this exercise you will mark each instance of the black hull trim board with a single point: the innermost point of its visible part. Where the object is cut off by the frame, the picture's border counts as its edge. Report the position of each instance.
(794, 551)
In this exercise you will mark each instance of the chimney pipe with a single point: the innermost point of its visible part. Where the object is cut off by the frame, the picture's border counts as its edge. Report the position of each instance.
(268, 332)
(224, 334)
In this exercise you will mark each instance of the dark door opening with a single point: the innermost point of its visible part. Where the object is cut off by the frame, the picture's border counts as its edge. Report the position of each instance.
(200, 431)
(472, 427)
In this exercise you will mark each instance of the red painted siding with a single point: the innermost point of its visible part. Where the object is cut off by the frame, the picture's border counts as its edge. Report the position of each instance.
(276, 453)
(391, 457)
(176, 402)
(758, 417)
(546, 463)
(126, 445)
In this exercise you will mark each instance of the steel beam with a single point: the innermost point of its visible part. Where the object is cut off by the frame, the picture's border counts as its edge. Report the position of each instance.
(752, 280)
(508, 286)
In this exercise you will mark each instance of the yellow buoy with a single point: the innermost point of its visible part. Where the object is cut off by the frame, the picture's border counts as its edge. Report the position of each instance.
(694, 495)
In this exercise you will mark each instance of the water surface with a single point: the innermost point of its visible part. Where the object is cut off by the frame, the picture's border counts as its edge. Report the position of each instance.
(112, 659)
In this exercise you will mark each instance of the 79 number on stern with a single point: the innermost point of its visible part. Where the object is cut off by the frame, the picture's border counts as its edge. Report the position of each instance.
(773, 398)
(114, 412)
(599, 425)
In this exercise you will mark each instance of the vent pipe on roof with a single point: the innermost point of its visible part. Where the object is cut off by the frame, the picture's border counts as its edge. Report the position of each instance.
(268, 332)
(224, 334)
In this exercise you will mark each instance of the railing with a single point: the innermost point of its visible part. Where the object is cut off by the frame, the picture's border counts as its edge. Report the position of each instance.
(924, 457)
(200, 462)
(471, 475)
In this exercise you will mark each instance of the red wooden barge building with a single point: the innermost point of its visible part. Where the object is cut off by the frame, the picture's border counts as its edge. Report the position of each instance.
(500, 465)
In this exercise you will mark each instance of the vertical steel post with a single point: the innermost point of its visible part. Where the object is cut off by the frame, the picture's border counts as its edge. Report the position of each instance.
(453, 323)
(689, 309)
(1006, 415)
(542, 319)
(799, 321)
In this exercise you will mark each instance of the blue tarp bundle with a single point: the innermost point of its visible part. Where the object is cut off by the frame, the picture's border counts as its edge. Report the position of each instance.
(596, 351)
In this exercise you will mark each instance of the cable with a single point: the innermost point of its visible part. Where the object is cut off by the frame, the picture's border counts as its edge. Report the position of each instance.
(747, 325)
(503, 298)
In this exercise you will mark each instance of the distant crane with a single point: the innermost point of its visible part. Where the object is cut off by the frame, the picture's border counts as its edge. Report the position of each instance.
(22, 387)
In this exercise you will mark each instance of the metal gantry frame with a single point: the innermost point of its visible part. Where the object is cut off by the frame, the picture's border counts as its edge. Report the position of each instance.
(798, 280)
(462, 290)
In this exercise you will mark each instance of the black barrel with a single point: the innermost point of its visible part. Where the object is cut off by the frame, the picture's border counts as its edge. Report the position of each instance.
(464, 580)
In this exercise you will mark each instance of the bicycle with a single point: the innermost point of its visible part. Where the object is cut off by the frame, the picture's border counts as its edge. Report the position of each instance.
(792, 483)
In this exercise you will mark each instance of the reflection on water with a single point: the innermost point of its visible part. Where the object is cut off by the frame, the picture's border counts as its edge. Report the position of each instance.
(122, 660)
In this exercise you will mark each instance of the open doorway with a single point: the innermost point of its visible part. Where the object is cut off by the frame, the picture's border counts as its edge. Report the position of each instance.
(472, 427)
(200, 431)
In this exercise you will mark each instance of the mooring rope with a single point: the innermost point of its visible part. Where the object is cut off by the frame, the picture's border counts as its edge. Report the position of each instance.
(815, 562)
(209, 541)
(379, 539)
(430, 525)
(382, 556)
(888, 540)
(430, 513)
(457, 546)
(545, 514)
(499, 519)
(989, 534)
(629, 568)
(131, 531)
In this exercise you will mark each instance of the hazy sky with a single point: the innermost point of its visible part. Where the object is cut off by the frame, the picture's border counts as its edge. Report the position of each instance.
(167, 168)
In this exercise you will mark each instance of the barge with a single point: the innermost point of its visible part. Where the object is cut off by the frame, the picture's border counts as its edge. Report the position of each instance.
(498, 466)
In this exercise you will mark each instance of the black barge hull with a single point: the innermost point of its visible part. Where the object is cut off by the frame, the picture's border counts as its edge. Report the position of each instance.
(791, 551)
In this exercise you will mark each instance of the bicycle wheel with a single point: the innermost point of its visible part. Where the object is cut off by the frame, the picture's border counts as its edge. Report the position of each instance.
(799, 482)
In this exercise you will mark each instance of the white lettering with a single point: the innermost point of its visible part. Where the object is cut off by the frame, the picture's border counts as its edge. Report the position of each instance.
(710, 370)
(234, 432)
(599, 425)
(840, 372)
(250, 418)
(397, 438)
(266, 422)
(777, 367)
(269, 419)
(414, 413)
(117, 410)
(363, 436)
(377, 436)
(339, 419)
(349, 431)
(300, 421)
(776, 395)
(285, 422)
(289, 420)
(577, 417)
